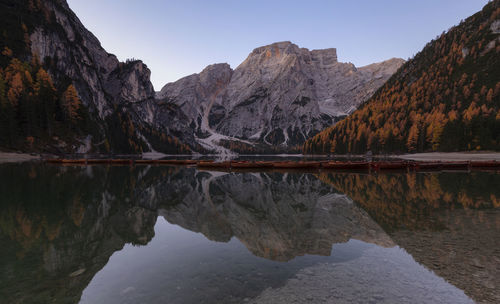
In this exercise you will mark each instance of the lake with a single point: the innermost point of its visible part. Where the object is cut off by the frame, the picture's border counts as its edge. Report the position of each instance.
(160, 234)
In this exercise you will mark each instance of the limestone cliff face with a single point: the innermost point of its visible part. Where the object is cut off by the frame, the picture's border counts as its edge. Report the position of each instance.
(107, 87)
(99, 77)
(279, 96)
(196, 94)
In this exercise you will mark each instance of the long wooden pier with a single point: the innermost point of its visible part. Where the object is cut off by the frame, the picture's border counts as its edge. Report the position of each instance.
(306, 165)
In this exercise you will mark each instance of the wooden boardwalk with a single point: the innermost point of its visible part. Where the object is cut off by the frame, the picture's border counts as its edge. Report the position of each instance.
(295, 165)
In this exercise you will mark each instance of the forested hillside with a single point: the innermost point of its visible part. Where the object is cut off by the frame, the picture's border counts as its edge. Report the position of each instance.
(446, 98)
(60, 91)
(32, 107)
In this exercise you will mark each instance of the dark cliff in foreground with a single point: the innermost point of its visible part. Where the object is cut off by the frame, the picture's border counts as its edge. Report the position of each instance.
(60, 91)
(447, 98)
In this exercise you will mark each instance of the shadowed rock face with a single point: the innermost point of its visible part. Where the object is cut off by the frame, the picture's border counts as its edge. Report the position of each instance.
(114, 93)
(280, 95)
(101, 80)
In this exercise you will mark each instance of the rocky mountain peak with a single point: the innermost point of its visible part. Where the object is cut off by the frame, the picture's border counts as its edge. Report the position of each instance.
(278, 96)
(130, 82)
(279, 50)
(216, 74)
(275, 49)
(325, 57)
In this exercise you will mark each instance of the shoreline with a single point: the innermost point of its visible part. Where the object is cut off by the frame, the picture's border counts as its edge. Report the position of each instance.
(450, 156)
(11, 157)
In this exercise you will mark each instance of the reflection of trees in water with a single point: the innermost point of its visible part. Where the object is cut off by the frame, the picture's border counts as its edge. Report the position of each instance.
(407, 201)
(56, 221)
(59, 221)
(449, 222)
(465, 253)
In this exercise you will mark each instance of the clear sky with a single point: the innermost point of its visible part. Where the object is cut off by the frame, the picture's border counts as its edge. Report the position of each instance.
(179, 38)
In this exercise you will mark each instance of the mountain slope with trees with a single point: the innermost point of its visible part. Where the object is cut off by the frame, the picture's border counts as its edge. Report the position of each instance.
(60, 91)
(446, 98)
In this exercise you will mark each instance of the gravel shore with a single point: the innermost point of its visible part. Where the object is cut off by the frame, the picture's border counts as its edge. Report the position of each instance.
(16, 157)
(451, 156)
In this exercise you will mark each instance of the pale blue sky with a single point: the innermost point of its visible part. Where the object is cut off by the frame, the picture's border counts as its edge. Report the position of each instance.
(179, 38)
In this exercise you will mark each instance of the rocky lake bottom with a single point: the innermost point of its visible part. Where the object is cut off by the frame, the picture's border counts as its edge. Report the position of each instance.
(161, 234)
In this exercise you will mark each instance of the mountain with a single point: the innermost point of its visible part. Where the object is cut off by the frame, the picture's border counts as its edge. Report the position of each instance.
(60, 91)
(278, 97)
(447, 98)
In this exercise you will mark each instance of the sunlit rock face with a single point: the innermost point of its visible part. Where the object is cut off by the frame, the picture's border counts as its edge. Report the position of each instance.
(279, 96)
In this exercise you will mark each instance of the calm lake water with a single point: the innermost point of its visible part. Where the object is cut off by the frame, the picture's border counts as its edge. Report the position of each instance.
(158, 234)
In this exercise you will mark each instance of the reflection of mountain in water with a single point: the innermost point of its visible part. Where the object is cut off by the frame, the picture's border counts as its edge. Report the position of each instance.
(449, 222)
(60, 225)
(276, 216)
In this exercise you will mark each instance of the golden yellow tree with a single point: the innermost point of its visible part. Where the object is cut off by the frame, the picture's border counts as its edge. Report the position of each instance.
(71, 103)
(412, 141)
(16, 88)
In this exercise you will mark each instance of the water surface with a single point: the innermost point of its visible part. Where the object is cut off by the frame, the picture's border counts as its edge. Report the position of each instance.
(158, 234)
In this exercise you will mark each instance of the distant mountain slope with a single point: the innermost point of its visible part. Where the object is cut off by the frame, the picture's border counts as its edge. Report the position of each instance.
(277, 98)
(447, 98)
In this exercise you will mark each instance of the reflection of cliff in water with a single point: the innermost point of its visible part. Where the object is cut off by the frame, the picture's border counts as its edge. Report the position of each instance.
(449, 222)
(59, 226)
(276, 216)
